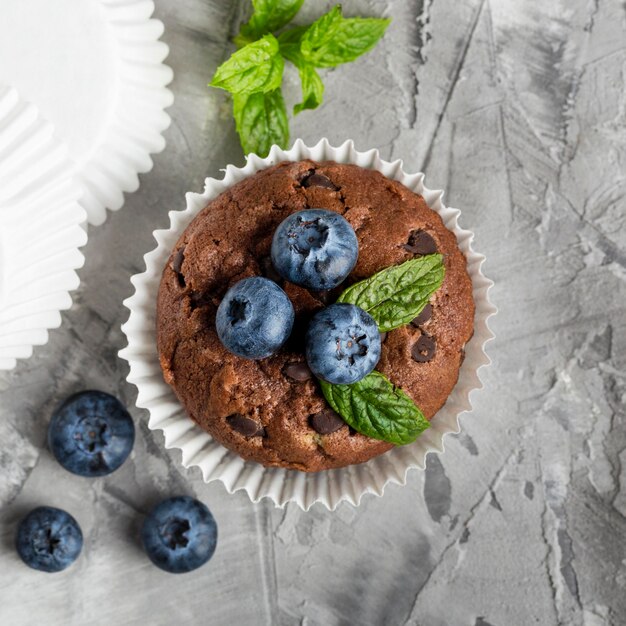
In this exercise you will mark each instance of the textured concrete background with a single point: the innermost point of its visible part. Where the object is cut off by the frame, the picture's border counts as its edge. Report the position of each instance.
(518, 110)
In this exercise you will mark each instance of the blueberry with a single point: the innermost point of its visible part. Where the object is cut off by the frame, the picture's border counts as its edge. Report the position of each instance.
(91, 434)
(179, 534)
(342, 344)
(48, 539)
(255, 318)
(316, 249)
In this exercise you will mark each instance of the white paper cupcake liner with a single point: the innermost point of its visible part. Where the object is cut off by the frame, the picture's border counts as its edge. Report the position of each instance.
(281, 486)
(40, 229)
(95, 70)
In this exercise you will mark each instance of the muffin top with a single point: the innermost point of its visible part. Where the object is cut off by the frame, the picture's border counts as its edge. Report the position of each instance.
(272, 410)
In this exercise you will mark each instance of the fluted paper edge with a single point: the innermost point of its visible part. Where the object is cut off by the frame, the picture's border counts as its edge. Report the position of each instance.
(281, 486)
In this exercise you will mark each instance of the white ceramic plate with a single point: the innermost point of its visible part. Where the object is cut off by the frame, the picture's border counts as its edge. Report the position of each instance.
(40, 228)
(94, 68)
(281, 486)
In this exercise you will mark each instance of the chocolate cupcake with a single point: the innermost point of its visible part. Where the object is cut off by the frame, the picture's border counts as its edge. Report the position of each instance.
(272, 410)
(425, 351)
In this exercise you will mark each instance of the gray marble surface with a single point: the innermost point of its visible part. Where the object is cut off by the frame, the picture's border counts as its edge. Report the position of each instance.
(518, 110)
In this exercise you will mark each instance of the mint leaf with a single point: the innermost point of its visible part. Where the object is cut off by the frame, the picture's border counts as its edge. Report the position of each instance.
(312, 88)
(268, 16)
(241, 40)
(333, 39)
(396, 295)
(257, 67)
(261, 120)
(320, 33)
(374, 407)
(312, 85)
(289, 42)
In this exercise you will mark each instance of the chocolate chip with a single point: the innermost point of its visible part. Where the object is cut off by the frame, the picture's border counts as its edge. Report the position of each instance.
(424, 349)
(383, 336)
(297, 371)
(318, 180)
(268, 270)
(420, 242)
(326, 422)
(177, 259)
(297, 339)
(245, 426)
(327, 296)
(425, 314)
(323, 296)
(176, 265)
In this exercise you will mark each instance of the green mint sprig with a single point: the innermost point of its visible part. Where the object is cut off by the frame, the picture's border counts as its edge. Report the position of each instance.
(269, 16)
(394, 296)
(253, 74)
(257, 68)
(374, 407)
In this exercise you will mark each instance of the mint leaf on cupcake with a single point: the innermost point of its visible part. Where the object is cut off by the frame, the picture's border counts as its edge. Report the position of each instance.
(373, 406)
(397, 294)
(376, 408)
(257, 66)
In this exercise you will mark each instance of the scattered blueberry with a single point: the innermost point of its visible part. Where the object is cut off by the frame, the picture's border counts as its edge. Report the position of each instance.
(179, 534)
(315, 248)
(342, 344)
(91, 434)
(48, 539)
(255, 318)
